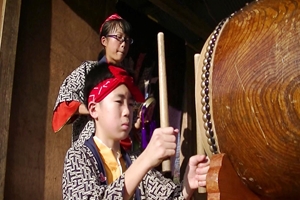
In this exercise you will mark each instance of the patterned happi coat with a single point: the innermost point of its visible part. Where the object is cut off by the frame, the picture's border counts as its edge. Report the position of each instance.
(72, 90)
(84, 178)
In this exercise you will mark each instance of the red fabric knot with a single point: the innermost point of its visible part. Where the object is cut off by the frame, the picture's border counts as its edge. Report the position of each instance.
(100, 91)
(112, 17)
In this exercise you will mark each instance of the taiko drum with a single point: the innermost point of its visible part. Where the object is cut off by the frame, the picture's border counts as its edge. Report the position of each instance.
(250, 90)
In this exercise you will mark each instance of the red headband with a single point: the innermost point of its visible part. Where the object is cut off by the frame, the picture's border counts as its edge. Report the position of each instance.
(99, 92)
(112, 17)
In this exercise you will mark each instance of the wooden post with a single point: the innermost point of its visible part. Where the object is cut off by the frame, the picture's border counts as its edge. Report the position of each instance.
(163, 93)
(9, 37)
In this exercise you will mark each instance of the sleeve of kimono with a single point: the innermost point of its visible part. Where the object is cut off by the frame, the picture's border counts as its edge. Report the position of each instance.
(70, 96)
(158, 187)
(82, 179)
(155, 186)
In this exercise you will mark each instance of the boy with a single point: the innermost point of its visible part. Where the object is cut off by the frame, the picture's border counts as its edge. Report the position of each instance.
(101, 169)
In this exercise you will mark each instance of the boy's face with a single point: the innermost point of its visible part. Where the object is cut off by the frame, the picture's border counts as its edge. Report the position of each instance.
(115, 50)
(113, 115)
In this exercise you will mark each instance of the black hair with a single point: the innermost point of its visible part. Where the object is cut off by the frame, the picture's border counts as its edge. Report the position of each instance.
(97, 74)
(115, 24)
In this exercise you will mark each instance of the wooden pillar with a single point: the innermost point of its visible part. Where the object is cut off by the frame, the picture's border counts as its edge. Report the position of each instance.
(10, 14)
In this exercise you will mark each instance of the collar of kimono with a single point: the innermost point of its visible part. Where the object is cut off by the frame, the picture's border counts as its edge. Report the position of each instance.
(112, 17)
(99, 92)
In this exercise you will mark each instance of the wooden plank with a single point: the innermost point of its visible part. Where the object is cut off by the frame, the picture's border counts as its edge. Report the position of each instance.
(2, 7)
(185, 16)
(7, 65)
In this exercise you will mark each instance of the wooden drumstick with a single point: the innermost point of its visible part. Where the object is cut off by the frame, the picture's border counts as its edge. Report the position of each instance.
(163, 94)
(200, 147)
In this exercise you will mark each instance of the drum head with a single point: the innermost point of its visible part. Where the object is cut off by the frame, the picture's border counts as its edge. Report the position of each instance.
(253, 92)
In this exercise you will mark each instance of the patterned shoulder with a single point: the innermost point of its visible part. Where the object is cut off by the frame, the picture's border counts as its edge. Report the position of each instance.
(81, 154)
(81, 150)
(85, 66)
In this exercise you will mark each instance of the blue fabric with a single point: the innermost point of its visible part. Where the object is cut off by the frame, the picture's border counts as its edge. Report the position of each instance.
(102, 60)
(92, 146)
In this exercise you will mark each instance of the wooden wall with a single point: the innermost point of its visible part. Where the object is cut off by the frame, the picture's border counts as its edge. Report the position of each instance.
(2, 8)
(10, 14)
(53, 40)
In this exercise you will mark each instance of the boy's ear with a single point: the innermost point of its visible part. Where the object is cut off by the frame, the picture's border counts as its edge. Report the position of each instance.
(103, 41)
(92, 110)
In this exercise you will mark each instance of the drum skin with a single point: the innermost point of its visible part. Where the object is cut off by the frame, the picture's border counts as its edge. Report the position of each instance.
(254, 92)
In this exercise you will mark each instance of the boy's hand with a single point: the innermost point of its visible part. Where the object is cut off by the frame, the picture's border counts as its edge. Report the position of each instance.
(137, 124)
(195, 174)
(161, 146)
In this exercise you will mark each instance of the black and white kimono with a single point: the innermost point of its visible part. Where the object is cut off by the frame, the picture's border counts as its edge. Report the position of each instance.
(72, 90)
(84, 178)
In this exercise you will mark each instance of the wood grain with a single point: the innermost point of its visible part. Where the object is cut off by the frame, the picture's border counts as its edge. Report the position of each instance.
(9, 38)
(223, 182)
(255, 96)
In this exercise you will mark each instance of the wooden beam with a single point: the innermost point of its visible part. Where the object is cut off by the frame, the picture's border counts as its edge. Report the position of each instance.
(9, 37)
(185, 16)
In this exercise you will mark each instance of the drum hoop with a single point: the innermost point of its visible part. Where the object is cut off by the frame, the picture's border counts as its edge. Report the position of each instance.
(207, 67)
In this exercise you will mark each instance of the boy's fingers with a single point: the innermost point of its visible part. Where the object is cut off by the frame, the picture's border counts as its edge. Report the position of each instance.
(202, 170)
(170, 145)
(169, 131)
(201, 183)
(170, 152)
(201, 177)
(169, 138)
(198, 159)
(137, 124)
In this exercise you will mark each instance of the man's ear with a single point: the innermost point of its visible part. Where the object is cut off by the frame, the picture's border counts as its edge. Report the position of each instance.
(103, 41)
(93, 110)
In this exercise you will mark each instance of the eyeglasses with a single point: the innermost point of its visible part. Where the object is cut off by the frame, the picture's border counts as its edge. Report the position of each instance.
(121, 39)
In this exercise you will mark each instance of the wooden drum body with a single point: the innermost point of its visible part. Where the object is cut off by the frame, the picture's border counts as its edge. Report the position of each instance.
(250, 90)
